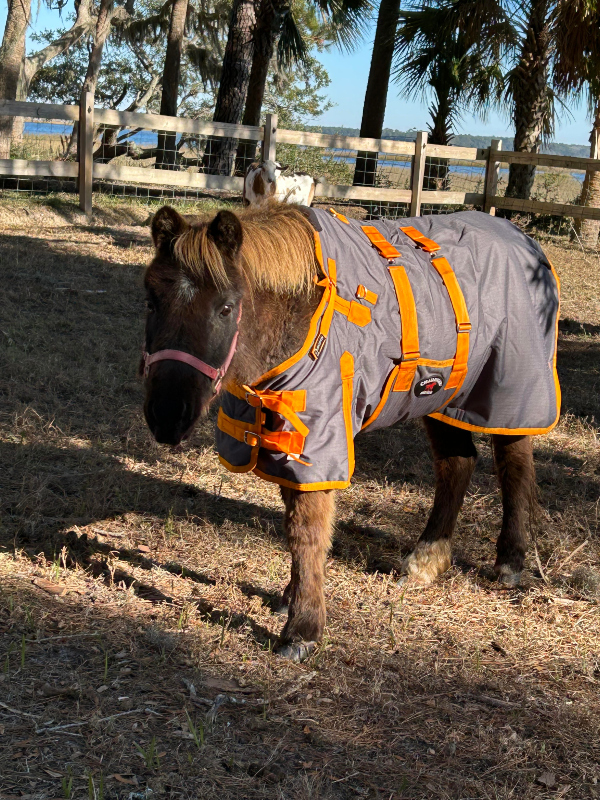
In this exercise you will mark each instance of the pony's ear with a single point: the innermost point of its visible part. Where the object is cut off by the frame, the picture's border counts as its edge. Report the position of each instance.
(226, 232)
(167, 225)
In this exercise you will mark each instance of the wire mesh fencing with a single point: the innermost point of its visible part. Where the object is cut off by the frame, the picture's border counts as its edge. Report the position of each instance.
(37, 139)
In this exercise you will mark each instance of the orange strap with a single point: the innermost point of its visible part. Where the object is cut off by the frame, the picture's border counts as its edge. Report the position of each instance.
(329, 283)
(341, 217)
(364, 294)
(289, 442)
(409, 329)
(283, 403)
(463, 323)
(427, 244)
(359, 315)
(380, 243)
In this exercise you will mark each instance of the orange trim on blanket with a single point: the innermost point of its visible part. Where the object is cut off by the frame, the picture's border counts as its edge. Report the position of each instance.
(347, 375)
(517, 431)
(302, 487)
(324, 303)
(384, 397)
(457, 423)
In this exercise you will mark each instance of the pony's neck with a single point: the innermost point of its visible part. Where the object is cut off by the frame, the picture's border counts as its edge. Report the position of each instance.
(273, 327)
(278, 260)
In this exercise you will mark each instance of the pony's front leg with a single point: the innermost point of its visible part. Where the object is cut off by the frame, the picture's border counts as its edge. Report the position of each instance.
(454, 457)
(308, 523)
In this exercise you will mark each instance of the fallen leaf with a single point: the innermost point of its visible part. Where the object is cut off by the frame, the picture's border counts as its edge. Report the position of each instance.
(143, 548)
(101, 689)
(48, 586)
(121, 779)
(53, 774)
(547, 779)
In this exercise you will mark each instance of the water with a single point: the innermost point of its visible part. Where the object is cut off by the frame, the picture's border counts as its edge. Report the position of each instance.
(385, 160)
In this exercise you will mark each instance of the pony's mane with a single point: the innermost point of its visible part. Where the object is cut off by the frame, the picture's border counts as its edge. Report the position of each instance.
(277, 250)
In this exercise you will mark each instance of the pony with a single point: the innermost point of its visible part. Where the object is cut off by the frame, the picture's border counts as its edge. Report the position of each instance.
(233, 298)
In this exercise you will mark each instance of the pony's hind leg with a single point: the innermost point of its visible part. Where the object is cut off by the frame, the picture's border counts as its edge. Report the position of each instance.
(513, 456)
(454, 457)
(308, 523)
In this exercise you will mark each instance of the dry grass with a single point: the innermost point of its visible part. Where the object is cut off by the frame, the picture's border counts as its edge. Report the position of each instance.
(137, 580)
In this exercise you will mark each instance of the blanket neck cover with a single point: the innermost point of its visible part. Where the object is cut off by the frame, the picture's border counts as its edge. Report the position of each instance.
(449, 316)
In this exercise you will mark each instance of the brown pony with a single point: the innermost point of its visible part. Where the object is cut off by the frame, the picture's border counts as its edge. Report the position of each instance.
(201, 275)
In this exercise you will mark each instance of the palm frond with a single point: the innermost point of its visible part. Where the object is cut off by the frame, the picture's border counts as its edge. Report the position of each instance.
(291, 47)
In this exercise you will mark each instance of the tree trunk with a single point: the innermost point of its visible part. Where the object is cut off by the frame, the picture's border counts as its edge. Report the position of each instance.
(371, 126)
(587, 230)
(437, 171)
(265, 33)
(167, 142)
(12, 53)
(530, 96)
(103, 23)
(233, 87)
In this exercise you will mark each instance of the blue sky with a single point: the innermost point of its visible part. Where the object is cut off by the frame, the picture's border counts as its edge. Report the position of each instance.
(349, 73)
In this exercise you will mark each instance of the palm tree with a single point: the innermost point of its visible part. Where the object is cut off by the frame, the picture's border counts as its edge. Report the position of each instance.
(371, 126)
(233, 85)
(273, 19)
(577, 66)
(456, 63)
(529, 89)
(288, 27)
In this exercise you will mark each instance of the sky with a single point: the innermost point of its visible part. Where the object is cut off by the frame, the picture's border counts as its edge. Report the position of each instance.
(349, 73)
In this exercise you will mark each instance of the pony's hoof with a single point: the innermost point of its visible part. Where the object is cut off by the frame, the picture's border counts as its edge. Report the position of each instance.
(426, 562)
(282, 611)
(507, 576)
(296, 651)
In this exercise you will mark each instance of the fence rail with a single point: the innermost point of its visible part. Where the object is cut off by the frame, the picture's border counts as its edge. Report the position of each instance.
(421, 164)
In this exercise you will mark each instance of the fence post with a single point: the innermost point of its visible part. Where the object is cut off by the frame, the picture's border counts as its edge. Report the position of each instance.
(418, 173)
(85, 150)
(269, 143)
(492, 173)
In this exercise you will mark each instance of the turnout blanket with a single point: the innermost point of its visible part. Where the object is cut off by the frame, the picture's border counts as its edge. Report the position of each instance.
(450, 316)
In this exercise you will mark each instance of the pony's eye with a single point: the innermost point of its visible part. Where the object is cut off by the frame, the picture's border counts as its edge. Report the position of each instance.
(226, 310)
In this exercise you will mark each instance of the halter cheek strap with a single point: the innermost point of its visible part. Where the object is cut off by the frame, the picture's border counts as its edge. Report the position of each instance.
(215, 374)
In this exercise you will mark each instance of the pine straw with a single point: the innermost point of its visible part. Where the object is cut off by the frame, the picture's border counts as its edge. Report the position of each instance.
(135, 578)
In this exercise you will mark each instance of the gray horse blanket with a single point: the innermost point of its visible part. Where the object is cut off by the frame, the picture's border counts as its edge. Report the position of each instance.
(451, 316)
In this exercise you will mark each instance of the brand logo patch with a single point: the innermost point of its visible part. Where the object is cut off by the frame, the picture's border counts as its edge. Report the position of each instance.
(318, 346)
(429, 386)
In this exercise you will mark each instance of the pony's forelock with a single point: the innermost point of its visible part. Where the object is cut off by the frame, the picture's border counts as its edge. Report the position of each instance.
(277, 251)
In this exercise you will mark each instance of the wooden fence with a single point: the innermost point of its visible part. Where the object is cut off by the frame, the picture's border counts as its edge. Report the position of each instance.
(86, 170)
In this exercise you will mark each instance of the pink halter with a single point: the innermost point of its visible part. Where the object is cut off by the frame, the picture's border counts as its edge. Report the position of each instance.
(179, 355)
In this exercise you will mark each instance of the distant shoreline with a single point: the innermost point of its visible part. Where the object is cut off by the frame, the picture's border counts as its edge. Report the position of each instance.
(460, 140)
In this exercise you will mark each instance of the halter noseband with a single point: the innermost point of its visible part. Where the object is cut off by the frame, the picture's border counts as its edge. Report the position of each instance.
(215, 374)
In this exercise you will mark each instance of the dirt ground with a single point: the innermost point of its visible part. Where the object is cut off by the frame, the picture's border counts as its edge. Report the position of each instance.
(137, 582)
